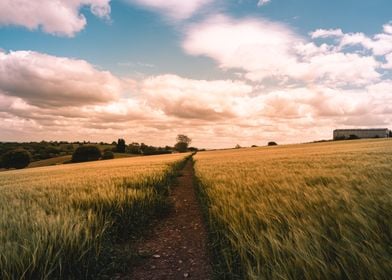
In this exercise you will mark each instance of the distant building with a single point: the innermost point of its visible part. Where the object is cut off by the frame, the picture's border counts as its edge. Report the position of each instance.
(341, 134)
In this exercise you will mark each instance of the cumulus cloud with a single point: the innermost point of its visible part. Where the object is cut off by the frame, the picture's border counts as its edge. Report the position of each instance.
(270, 50)
(257, 46)
(50, 81)
(217, 113)
(195, 99)
(174, 9)
(61, 17)
(380, 44)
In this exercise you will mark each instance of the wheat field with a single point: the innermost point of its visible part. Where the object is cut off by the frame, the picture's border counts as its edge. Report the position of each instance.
(57, 222)
(310, 211)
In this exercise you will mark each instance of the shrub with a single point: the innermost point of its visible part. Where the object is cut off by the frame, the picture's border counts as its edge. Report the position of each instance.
(353, 137)
(18, 159)
(108, 155)
(272, 143)
(86, 153)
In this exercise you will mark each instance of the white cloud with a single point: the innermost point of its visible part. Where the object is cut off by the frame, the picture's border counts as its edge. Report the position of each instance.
(380, 44)
(195, 99)
(260, 47)
(60, 17)
(174, 9)
(48, 81)
(388, 64)
(387, 28)
(263, 2)
(269, 50)
(324, 33)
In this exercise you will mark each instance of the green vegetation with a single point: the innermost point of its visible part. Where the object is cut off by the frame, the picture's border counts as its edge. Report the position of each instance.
(51, 161)
(61, 222)
(108, 155)
(312, 211)
(56, 150)
(86, 153)
(15, 159)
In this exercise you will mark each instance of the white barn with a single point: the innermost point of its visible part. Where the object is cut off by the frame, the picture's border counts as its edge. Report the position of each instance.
(341, 134)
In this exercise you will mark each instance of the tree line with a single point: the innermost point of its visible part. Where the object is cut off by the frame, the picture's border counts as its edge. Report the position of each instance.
(19, 155)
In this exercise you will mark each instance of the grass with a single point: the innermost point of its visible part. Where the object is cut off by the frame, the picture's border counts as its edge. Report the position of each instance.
(67, 159)
(51, 161)
(59, 222)
(312, 211)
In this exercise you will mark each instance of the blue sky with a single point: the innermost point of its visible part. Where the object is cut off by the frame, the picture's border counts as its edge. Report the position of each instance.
(153, 53)
(133, 34)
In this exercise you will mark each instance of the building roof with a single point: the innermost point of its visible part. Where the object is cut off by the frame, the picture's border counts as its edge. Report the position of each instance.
(361, 129)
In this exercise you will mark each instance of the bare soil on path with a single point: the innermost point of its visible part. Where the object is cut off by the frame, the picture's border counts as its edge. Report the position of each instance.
(177, 246)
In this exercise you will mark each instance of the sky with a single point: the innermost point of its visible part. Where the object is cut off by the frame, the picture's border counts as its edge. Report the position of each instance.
(223, 72)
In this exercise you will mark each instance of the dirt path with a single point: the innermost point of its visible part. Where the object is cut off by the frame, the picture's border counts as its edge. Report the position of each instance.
(177, 245)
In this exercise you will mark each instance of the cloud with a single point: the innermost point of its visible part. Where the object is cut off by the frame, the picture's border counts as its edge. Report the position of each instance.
(387, 28)
(263, 2)
(195, 99)
(50, 81)
(380, 44)
(61, 17)
(174, 9)
(215, 113)
(324, 33)
(257, 46)
(269, 50)
(388, 64)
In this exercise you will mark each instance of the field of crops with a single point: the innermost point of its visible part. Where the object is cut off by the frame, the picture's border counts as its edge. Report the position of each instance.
(311, 211)
(57, 222)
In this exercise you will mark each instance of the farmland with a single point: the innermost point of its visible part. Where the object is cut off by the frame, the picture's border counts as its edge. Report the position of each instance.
(311, 211)
(59, 221)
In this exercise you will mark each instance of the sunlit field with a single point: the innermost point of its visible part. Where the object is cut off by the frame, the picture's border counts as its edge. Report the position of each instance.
(311, 211)
(56, 222)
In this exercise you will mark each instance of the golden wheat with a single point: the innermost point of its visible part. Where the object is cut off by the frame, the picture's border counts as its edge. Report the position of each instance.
(55, 221)
(311, 211)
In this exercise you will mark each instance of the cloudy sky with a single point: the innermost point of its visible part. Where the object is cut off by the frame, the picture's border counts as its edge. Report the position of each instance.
(224, 72)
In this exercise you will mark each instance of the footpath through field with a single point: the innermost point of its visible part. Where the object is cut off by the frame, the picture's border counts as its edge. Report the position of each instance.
(177, 246)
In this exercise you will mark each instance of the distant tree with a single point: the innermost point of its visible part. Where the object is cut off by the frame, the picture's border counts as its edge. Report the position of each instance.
(390, 133)
(182, 144)
(193, 149)
(86, 153)
(18, 159)
(134, 148)
(237, 146)
(108, 155)
(120, 146)
(254, 146)
(272, 143)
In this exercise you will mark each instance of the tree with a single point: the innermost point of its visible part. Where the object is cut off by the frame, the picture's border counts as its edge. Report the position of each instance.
(134, 148)
(120, 146)
(86, 153)
(272, 143)
(108, 155)
(182, 144)
(18, 159)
